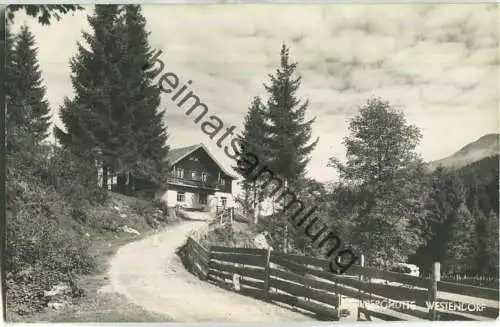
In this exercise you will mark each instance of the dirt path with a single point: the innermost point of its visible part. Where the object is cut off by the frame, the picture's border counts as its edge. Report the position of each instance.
(149, 274)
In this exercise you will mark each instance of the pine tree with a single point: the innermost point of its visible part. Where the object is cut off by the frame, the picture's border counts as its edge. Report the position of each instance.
(254, 132)
(27, 106)
(387, 173)
(115, 112)
(89, 117)
(9, 49)
(486, 232)
(288, 149)
(79, 139)
(149, 168)
(446, 194)
(9, 73)
(461, 248)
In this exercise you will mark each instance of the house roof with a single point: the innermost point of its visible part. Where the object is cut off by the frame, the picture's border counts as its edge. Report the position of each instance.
(176, 155)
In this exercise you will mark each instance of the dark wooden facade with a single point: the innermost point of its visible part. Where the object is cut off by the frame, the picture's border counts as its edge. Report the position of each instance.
(198, 170)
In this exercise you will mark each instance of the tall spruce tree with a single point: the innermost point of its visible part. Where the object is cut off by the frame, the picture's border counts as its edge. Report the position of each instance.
(289, 146)
(486, 239)
(9, 73)
(449, 224)
(27, 107)
(88, 118)
(9, 49)
(149, 166)
(114, 116)
(461, 248)
(254, 132)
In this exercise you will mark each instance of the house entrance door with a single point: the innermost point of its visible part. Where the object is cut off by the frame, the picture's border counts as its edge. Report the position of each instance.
(203, 198)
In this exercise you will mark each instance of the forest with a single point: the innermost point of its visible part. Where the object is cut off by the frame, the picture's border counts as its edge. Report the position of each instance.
(388, 204)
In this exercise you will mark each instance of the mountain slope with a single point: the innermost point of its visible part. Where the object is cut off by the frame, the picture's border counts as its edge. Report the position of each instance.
(485, 146)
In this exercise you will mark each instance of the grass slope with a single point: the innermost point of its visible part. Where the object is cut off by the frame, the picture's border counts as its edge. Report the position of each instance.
(100, 304)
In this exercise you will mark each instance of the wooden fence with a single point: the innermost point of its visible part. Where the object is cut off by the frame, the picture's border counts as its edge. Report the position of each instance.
(482, 281)
(305, 283)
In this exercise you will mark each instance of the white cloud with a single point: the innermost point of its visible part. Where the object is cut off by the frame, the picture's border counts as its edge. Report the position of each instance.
(438, 63)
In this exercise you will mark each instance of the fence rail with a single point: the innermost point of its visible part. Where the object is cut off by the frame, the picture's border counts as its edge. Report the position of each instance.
(305, 283)
(481, 281)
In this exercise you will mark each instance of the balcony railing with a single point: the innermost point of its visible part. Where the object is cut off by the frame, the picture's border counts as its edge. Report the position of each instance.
(194, 183)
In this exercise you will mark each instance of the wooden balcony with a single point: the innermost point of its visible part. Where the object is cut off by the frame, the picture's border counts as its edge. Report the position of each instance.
(211, 185)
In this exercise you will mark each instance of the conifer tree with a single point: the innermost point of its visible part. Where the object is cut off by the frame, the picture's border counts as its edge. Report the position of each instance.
(486, 241)
(446, 194)
(88, 118)
(289, 147)
(150, 132)
(27, 106)
(114, 117)
(9, 48)
(461, 248)
(254, 132)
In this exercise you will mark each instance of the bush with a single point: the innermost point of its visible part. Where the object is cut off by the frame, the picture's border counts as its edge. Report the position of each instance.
(160, 205)
(102, 220)
(74, 178)
(153, 212)
(39, 253)
(53, 198)
(226, 236)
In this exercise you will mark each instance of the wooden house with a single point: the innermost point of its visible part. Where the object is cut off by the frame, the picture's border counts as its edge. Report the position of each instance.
(197, 181)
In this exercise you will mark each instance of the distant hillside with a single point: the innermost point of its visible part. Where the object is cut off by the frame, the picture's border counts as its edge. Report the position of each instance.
(486, 146)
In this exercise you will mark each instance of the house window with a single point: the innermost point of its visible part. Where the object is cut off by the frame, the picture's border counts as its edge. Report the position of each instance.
(223, 201)
(204, 176)
(193, 174)
(181, 196)
(203, 199)
(221, 179)
(179, 173)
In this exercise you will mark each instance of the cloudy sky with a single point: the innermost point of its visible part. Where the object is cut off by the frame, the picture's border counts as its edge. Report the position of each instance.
(439, 64)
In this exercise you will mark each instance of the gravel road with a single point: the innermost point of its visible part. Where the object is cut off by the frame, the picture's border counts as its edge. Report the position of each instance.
(150, 274)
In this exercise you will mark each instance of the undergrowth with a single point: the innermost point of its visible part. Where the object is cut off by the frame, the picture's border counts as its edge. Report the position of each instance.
(226, 235)
(54, 214)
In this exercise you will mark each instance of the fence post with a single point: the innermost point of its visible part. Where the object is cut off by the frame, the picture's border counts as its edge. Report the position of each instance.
(267, 273)
(361, 264)
(435, 277)
(208, 263)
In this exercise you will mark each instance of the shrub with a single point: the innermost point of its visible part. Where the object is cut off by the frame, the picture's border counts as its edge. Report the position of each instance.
(102, 220)
(74, 177)
(226, 236)
(152, 212)
(39, 253)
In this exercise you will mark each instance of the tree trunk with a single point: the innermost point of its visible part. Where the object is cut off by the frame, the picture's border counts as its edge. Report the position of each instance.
(131, 184)
(105, 177)
(255, 204)
(285, 232)
(121, 182)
